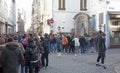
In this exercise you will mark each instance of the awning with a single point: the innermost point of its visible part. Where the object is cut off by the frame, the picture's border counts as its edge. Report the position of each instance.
(114, 14)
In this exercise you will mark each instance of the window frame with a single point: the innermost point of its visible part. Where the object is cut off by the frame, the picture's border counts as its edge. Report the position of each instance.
(83, 5)
(61, 4)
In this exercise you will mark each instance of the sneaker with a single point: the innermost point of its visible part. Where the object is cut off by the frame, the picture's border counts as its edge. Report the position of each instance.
(46, 67)
(59, 54)
(103, 66)
(75, 54)
(98, 64)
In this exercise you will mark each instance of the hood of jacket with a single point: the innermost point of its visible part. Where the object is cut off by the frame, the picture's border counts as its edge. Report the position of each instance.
(12, 45)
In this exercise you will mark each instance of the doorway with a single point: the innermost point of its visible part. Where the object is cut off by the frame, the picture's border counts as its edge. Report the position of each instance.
(115, 32)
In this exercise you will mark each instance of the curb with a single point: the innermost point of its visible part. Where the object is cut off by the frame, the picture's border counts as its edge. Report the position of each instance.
(117, 68)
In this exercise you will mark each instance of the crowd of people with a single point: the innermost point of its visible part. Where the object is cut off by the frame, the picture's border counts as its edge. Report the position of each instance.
(27, 53)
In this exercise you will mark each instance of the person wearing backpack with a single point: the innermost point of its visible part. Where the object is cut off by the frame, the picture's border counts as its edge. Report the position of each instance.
(32, 57)
(64, 43)
(45, 51)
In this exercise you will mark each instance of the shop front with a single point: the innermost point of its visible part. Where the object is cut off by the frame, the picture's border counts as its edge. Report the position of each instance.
(113, 9)
(115, 30)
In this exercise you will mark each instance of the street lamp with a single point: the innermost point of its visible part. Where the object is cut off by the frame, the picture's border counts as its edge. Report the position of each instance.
(6, 26)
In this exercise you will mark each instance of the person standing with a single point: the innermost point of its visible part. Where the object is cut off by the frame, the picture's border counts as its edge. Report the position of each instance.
(64, 43)
(77, 45)
(82, 43)
(45, 51)
(2, 46)
(59, 46)
(101, 50)
(32, 57)
(11, 57)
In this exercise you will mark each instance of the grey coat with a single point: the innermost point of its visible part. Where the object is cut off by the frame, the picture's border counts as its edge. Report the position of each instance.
(11, 58)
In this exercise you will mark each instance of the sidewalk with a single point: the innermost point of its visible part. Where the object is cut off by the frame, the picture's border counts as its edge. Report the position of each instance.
(85, 63)
(117, 68)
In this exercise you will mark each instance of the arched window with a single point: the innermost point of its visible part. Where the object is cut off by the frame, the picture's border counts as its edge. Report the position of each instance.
(61, 5)
(83, 4)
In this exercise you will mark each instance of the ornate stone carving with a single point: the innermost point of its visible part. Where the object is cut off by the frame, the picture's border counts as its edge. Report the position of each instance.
(81, 23)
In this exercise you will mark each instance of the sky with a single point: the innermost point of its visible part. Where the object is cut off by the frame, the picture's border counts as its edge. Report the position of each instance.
(25, 5)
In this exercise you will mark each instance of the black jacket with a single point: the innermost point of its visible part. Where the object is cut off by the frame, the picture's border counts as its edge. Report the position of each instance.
(101, 45)
(11, 58)
(46, 45)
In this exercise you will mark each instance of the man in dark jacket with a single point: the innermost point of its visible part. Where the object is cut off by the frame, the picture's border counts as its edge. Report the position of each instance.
(45, 51)
(101, 50)
(32, 57)
(82, 43)
(11, 58)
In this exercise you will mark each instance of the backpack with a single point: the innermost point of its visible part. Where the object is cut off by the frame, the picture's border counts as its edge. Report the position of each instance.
(46, 42)
(33, 54)
(24, 42)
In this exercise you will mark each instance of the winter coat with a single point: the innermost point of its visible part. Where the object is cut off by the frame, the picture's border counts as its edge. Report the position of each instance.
(82, 41)
(1, 49)
(32, 53)
(2, 46)
(11, 58)
(101, 45)
(46, 46)
(20, 46)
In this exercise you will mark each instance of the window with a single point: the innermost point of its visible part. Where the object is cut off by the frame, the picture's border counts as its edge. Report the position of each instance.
(61, 4)
(115, 22)
(83, 4)
(13, 1)
(101, 18)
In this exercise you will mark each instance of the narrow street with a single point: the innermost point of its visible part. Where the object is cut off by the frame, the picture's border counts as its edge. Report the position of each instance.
(84, 63)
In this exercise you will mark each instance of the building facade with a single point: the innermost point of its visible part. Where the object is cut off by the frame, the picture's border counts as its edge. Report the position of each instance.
(7, 16)
(82, 16)
(3, 15)
(70, 16)
(105, 16)
(20, 23)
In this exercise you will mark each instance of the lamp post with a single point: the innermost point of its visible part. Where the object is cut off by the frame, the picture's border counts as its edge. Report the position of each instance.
(6, 26)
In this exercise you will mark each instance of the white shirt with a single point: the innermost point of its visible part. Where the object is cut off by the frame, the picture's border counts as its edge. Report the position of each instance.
(77, 43)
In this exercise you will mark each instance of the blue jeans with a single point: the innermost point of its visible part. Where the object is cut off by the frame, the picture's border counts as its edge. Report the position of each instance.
(82, 49)
(24, 69)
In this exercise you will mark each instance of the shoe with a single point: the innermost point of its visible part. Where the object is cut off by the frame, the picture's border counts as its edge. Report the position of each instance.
(104, 66)
(75, 54)
(59, 54)
(98, 64)
(46, 67)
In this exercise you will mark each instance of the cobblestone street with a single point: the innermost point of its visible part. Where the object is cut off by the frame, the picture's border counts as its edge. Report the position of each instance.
(84, 63)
